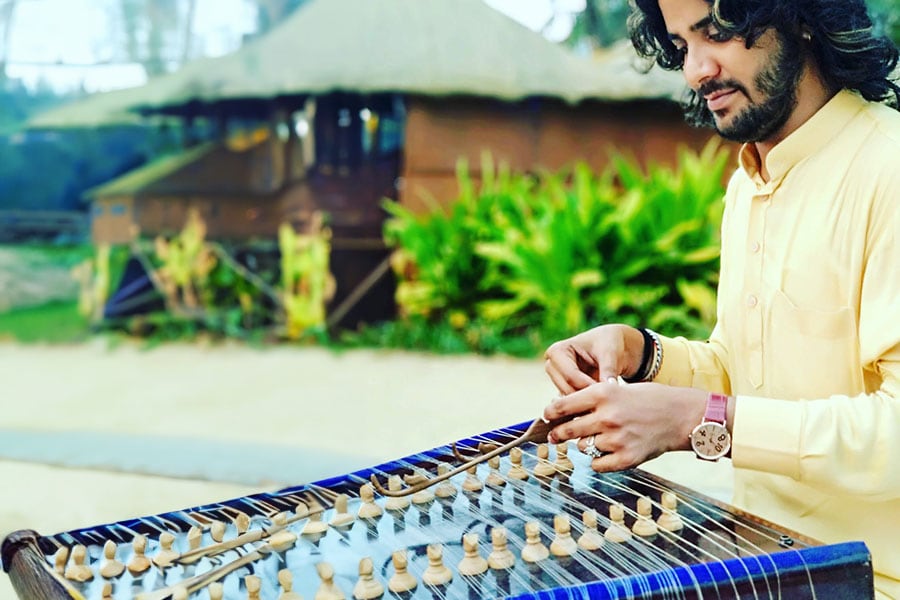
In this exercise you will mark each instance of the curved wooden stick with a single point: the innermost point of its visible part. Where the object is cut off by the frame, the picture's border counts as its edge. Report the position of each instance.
(483, 448)
(536, 432)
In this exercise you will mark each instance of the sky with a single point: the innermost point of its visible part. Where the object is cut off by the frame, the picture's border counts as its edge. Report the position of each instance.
(76, 32)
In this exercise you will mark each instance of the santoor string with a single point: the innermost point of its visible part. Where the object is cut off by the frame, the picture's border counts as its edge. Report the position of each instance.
(723, 518)
(711, 534)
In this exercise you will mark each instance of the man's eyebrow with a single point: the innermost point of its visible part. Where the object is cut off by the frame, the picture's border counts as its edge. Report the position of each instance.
(700, 25)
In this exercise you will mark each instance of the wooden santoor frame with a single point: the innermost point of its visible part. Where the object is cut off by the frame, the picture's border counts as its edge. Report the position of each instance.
(766, 561)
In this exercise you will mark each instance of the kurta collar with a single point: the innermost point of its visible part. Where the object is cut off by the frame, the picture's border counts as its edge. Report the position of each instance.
(815, 133)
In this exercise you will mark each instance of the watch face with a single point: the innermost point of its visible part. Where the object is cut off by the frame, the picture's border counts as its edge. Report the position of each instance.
(710, 440)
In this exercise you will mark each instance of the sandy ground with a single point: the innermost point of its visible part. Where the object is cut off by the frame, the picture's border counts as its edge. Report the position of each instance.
(91, 434)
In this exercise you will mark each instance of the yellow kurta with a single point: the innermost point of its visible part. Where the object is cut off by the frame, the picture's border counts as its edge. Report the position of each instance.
(808, 332)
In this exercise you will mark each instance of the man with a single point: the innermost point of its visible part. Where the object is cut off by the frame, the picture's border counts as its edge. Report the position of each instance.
(799, 383)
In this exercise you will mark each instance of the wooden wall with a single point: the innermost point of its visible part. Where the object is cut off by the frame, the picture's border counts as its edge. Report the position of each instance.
(531, 135)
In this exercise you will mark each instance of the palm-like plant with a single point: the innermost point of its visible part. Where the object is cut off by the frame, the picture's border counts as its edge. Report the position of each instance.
(558, 252)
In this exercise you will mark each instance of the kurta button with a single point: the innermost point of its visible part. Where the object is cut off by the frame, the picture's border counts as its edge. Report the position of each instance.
(751, 300)
(756, 247)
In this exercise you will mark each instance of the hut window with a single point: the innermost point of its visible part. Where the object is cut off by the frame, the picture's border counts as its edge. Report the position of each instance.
(117, 210)
(369, 130)
(283, 131)
(390, 137)
(344, 118)
(337, 133)
(98, 210)
(301, 125)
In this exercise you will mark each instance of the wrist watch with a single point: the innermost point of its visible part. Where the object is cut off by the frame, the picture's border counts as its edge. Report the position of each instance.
(710, 439)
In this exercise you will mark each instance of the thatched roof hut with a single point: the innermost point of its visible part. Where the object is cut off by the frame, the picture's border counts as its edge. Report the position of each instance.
(366, 99)
(434, 48)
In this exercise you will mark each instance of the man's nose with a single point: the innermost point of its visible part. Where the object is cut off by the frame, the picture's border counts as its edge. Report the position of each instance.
(700, 66)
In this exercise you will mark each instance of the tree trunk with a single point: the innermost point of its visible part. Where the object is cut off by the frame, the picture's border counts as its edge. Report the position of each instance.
(188, 33)
(594, 23)
(6, 21)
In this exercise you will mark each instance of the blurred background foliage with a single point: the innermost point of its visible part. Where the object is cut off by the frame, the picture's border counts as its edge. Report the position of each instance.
(517, 261)
(514, 263)
(50, 170)
(600, 23)
(521, 260)
(159, 36)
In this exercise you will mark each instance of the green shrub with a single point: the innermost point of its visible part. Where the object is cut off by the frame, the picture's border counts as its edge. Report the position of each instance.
(543, 257)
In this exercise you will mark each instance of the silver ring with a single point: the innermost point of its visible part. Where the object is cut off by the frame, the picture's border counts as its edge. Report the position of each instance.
(590, 449)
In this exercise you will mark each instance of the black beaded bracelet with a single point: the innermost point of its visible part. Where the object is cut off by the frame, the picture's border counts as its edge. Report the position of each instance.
(646, 359)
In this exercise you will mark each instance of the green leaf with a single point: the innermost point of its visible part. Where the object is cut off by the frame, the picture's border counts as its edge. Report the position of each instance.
(586, 278)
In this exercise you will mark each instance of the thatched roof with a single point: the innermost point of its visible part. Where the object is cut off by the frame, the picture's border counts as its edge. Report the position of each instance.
(139, 179)
(119, 107)
(96, 110)
(426, 47)
(433, 48)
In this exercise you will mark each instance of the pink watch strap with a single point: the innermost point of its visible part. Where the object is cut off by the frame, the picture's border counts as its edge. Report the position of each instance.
(716, 407)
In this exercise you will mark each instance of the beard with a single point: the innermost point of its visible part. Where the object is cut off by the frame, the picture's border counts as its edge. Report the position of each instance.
(776, 83)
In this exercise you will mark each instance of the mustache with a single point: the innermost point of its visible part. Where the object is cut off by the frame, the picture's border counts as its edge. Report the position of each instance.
(721, 84)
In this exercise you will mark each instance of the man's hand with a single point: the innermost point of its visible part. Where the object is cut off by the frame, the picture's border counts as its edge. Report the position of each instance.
(599, 354)
(630, 423)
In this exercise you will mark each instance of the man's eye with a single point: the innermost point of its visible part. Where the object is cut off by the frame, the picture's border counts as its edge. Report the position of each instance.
(717, 36)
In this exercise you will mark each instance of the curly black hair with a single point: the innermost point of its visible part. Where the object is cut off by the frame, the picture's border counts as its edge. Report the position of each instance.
(839, 33)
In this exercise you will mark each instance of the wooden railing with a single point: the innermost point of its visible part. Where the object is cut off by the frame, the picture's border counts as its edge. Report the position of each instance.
(18, 225)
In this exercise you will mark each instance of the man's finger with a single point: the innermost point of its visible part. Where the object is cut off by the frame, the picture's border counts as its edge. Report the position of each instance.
(571, 405)
(567, 379)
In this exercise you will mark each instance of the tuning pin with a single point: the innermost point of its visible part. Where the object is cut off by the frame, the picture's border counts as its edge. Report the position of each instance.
(139, 562)
(327, 590)
(368, 509)
(401, 581)
(254, 584)
(166, 555)
(534, 550)
(341, 518)
(445, 489)
(645, 526)
(437, 573)
(241, 522)
(60, 559)
(472, 563)
(180, 593)
(195, 539)
(367, 588)
(670, 520)
(110, 567)
(396, 503)
(563, 463)
(563, 544)
(494, 479)
(282, 541)
(216, 591)
(217, 531)
(544, 468)
(591, 538)
(500, 557)
(314, 525)
(516, 471)
(617, 531)
(471, 483)
(423, 498)
(78, 571)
